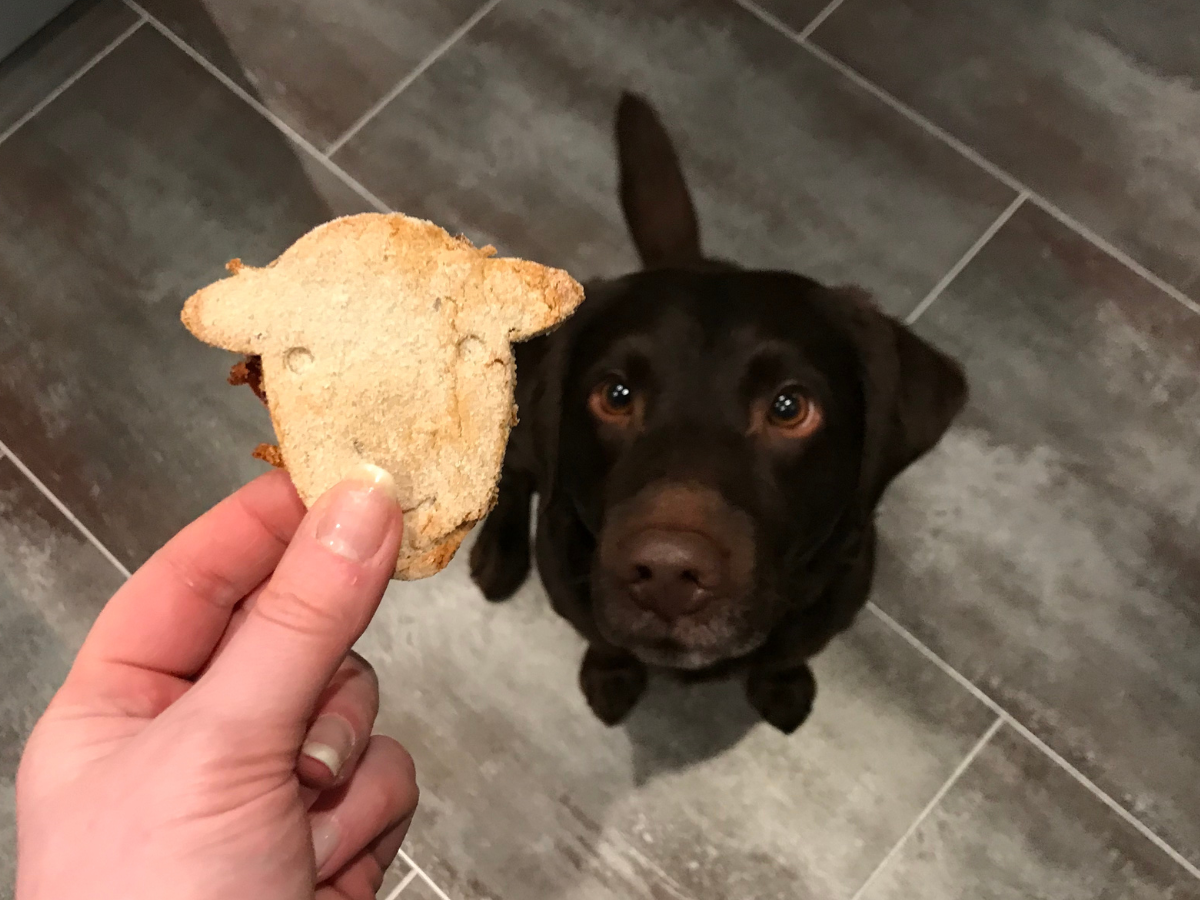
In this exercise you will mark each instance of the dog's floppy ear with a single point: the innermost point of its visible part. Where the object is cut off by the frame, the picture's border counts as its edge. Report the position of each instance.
(545, 405)
(654, 195)
(912, 392)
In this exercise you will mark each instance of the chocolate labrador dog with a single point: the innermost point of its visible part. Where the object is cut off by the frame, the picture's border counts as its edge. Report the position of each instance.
(708, 445)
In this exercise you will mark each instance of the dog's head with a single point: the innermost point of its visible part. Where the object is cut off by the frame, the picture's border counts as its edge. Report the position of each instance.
(718, 432)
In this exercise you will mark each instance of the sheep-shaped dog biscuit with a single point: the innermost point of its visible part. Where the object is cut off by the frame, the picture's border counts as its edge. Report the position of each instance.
(385, 340)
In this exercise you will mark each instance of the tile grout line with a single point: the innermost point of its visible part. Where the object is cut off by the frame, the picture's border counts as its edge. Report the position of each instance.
(1138, 825)
(963, 765)
(71, 79)
(1121, 256)
(970, 153)
(412, 76)
(404, 882)
(403, 854)
(966, 258)
(6, 453)
(433, 887)
(257, 105)
(818, 19)
(880, 94)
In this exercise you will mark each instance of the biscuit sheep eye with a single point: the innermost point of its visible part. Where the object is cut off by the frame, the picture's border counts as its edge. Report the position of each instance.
(298, 360)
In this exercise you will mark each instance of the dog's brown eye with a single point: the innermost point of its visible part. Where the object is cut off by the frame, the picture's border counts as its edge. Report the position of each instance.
(613, 401)
(788, 407)
(793, 413)
(618, 396)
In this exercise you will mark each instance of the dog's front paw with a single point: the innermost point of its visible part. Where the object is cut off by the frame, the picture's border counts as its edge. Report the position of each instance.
(500, 558)
(785, 698)
(612, 683)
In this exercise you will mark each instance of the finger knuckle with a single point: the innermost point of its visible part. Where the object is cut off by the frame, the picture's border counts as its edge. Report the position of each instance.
(305, 612)
(210, 585)
(270, 530)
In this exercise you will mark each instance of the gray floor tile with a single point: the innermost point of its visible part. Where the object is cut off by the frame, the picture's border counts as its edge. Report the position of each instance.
(1048, 548)
(56, 53)
(525, 794)
(118, 200)
(319, 64)
(508, 138)
(1095, 105)
(1018, 827)
(52, 585)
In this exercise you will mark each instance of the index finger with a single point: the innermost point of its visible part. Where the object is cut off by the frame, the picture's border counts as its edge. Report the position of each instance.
(168, 617)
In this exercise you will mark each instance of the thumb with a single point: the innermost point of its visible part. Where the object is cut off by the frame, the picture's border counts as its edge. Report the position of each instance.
(315, 606)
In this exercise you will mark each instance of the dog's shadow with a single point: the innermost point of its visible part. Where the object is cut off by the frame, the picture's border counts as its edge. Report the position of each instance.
(679, 725)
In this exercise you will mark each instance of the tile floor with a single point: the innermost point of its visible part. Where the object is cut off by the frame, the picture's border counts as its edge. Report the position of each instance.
(1018, 713)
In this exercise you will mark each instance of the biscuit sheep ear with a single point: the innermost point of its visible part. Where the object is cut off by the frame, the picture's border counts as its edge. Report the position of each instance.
(526, 297)
(230, 312)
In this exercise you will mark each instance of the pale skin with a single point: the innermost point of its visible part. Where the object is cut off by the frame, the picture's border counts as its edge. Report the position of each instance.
(213, 738)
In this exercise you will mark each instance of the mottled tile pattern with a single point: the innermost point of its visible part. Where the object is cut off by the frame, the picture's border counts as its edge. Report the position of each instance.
(1095, 105)
(52, 585)
(57, 52)
(319, 64)
(126, 194)
(1017, 827)
(1048, 549)
(694, 798)
(790, 165)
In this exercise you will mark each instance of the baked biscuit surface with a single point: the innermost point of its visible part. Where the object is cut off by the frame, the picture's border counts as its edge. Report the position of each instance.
(384, 339)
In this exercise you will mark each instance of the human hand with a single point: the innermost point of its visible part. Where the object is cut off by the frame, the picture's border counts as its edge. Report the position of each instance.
(213, 736)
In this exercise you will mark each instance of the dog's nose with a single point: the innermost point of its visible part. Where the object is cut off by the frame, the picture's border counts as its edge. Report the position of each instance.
(673, 573)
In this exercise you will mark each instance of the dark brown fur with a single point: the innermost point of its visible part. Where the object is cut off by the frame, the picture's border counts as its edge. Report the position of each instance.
(783, 529)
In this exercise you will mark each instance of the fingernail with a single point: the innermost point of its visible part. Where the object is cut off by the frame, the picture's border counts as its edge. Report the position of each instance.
(357, 519)
(330, 742)
(326, 836)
